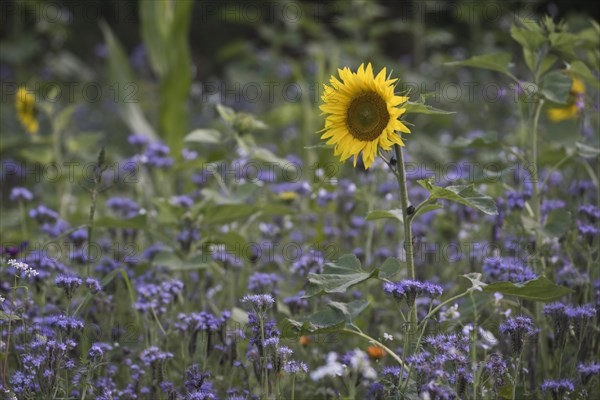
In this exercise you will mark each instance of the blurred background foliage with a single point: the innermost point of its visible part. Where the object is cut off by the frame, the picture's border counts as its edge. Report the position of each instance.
(161, 66)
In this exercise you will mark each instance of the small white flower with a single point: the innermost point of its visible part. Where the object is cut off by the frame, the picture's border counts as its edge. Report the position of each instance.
(497, 297)
(2, 299)
(18, 265)
(387, 336)
(333, 368)
(23, 267)
(450, 314)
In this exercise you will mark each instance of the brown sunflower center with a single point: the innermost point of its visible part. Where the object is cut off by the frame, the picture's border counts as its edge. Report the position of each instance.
(367, 116)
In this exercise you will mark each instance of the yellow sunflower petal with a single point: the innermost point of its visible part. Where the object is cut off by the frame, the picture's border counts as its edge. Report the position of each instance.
(362, 113)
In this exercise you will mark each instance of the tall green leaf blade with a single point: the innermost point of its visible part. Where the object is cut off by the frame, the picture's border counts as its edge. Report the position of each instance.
(165, 27)
(496, 62)
(120, 73)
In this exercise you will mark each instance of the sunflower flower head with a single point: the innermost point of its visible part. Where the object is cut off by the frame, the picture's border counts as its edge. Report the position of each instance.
(576, 103)
(25, 104)
(362, 114)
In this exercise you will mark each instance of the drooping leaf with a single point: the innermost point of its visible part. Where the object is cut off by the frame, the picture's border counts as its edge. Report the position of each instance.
(479, 142)
(426, 209)
(337, 276)
(422, 108)
(529, 39)
(587, 151)
(137, 222)
(463, 194)
(226, 213)
(5, 317)
(556, 87)
(496, 62)
(385, 214)
(476, 283)
(390, 268)
(204, 136)
(227, 113)
(557, 223)
(539, 289)
(330, 319)
(582, 70)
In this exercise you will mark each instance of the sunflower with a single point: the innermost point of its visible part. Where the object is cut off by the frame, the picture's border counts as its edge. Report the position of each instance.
(576, 94)
(25, 104)
(363, 114)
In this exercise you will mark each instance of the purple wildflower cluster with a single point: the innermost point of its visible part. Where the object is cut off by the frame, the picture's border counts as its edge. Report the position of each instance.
(408, 290)
(506, 270)
(518, 329)
(157, 297)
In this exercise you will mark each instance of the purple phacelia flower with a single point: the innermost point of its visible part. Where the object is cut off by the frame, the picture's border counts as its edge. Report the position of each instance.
(138, 140)
(43, 214)
(69, 283)
(263, 282)
(410, 289)
(496, 368)
(182, 201)
(157, 155)
(297, 303)
(506, 270)
(558, 388)
(515, 200)
(65, 323)
(518, 329)
(123, 207)
(587, 371)
(591, 211)
(153, 355)
(20, 194)
(97, 350)
(259, 302)
(93, 285)
(294, 367)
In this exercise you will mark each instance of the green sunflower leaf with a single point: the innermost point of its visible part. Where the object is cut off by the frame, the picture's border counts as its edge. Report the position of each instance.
(337, 276)
(385, 214)
(204, 136)
(496, 62)
(556, 87)
(330, 319)
(463, 194)
(422, 108)
(539, 289)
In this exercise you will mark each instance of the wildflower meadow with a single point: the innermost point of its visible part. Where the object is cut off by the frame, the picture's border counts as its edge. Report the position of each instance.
(299, 200)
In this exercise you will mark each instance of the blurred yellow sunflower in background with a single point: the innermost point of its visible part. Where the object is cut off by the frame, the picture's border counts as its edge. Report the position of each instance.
(362, 114)
(25, 104)
(576, 103)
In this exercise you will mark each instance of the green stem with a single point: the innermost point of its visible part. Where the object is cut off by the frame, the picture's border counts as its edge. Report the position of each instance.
(377, 343)
(439, 306)
(23, 220)
(516, 377)
(474, 343)
(263, 361)
(293, 385)
(535, 198)
(97, 181)
(408, 245)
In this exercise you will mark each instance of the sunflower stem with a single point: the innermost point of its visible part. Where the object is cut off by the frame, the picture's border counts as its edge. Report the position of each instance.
(408, 244)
